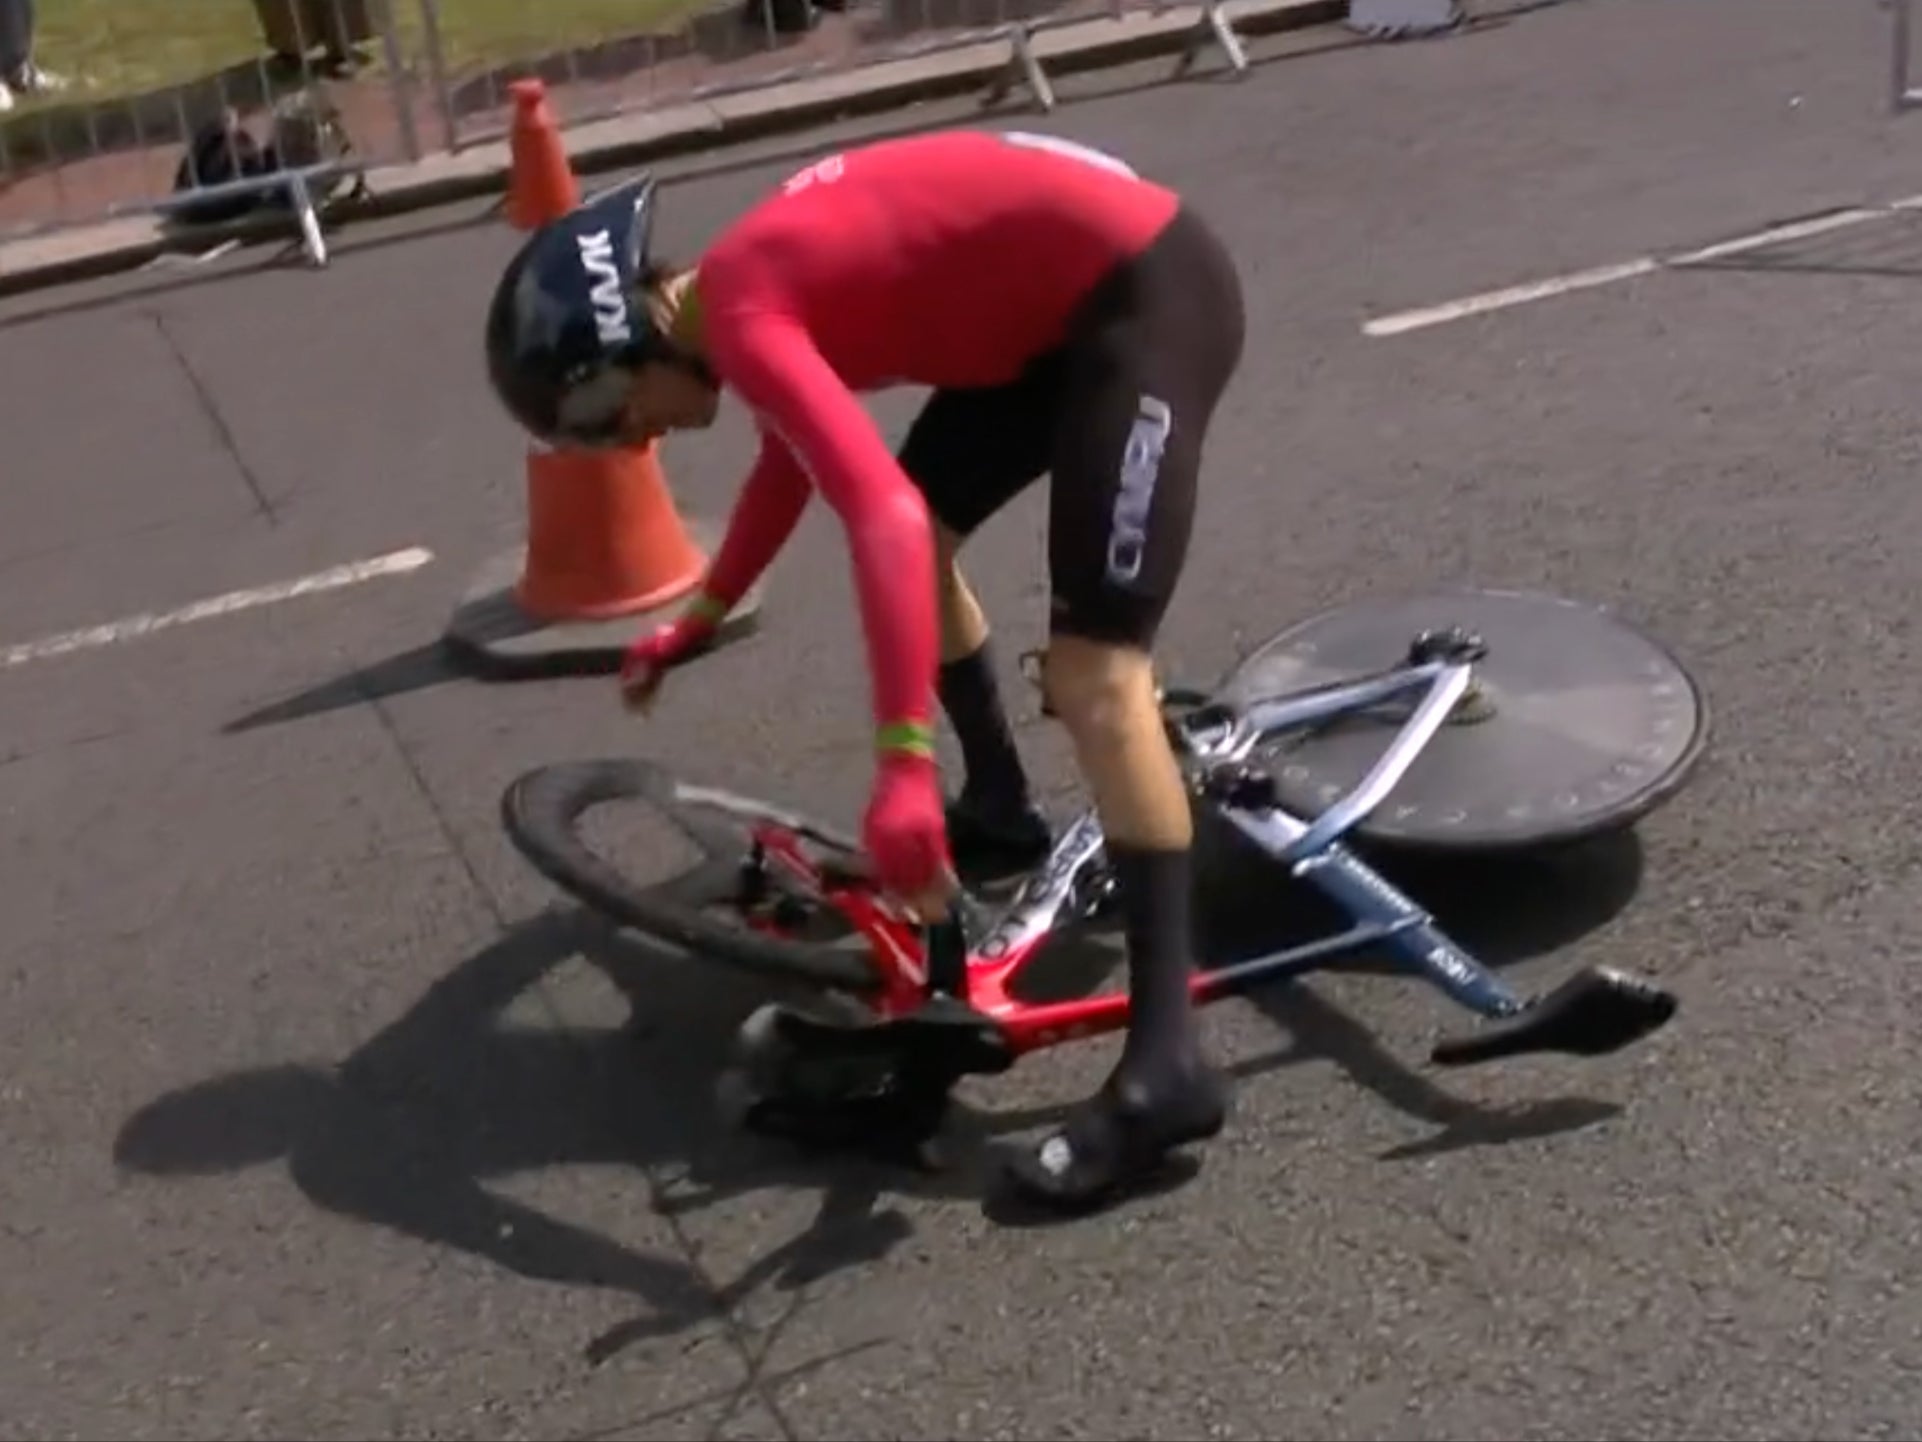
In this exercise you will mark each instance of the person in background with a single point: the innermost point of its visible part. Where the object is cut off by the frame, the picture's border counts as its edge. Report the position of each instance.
(19, 73)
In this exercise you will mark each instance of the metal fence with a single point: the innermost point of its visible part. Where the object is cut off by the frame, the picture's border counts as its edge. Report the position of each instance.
(761, 43)
(402, 79)
(1902, 94)
(200, 111)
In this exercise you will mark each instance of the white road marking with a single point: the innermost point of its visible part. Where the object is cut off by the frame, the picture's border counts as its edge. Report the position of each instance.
(132, 628)
(1513, 295)
(1778, 234)
(1508, 297)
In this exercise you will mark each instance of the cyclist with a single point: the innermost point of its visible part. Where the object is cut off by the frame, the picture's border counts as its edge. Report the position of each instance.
(1071, 318)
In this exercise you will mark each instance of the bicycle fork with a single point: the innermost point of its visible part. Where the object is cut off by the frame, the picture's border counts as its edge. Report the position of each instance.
(1380, 913)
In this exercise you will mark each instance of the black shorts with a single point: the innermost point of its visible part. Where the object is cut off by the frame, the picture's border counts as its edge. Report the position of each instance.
(1116, 415)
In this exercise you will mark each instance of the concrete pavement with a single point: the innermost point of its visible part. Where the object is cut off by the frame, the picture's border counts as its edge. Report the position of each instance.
(325, 1118)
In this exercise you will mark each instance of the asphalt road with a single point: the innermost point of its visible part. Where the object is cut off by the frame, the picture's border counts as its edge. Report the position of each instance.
(324, 1118)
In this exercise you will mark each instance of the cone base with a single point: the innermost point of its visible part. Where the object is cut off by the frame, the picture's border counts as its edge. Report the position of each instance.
(492, 636)
(679, 588)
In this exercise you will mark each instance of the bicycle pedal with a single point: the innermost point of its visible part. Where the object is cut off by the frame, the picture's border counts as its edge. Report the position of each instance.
(945, 1036)
(897, 1127)
(942, 1036)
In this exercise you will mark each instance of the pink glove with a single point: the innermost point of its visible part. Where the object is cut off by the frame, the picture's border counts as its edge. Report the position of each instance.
(906, 832)
(648, 660)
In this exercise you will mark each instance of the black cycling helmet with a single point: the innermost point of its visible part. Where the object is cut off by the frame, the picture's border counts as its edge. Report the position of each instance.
(567, 329)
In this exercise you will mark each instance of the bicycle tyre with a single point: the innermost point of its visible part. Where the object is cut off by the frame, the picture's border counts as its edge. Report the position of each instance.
(541, 811)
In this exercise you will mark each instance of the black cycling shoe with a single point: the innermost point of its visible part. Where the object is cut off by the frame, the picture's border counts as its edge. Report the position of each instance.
(1119, 1137)
(993, 840)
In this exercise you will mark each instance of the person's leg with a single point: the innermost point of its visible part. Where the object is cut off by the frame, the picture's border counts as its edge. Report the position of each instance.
(995, 784)
(964, 625)
(19, 70)
(16, 40)
(1162, 1093)
(1105, 696)
(1143, 388)
(970, 452)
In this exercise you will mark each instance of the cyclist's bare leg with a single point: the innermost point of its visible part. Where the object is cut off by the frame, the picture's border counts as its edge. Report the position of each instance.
(993, 824)
(1163, 1093)
(1105, 696)
(964, 625)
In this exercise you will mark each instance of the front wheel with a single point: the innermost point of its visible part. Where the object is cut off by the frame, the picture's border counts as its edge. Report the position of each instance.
(725, 905)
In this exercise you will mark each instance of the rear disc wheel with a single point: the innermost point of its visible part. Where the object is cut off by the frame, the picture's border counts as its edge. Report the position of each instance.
(1580, 723)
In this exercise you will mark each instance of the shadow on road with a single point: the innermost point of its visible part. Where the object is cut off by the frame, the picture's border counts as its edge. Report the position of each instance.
(1885, 246)
(415, 669)
(1504, 911)
(408, 1132)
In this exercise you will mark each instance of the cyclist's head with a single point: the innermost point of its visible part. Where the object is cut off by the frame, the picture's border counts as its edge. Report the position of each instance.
(575, 345)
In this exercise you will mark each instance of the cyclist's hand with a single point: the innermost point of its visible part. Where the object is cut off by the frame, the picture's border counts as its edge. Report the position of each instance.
(906, 835)
(648, 660)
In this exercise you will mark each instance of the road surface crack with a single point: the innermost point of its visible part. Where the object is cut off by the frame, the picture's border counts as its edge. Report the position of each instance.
(752, 1358)
(209, 407)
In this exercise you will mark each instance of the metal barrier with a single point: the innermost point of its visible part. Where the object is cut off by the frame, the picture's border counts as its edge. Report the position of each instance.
(1902, 95)
(403, 78)
(146, 80)
(754, 44)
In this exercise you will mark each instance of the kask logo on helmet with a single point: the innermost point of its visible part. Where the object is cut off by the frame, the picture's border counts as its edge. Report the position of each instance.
(604, 294)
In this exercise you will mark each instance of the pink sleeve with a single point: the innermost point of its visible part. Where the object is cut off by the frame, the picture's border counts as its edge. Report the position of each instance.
(774, 367)
(770, 506)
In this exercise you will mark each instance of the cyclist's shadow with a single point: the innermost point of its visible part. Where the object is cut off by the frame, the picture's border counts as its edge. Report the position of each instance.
(408, 1131)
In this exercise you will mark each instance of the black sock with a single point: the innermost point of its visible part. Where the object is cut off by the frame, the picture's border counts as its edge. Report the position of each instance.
(971, 698)
(1163, 1094)
(1154, 891)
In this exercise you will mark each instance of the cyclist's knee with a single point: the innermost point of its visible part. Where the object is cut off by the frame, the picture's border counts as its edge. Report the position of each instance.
(1101, 692)
(1105, 696)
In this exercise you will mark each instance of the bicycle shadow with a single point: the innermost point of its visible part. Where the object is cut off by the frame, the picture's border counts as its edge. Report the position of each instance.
(1504, 910)
(412, 1131)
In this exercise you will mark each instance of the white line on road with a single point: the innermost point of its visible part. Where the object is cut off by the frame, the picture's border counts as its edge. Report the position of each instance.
(1513, 295)
(133, 627)
(1780, 234)
(1508, 297)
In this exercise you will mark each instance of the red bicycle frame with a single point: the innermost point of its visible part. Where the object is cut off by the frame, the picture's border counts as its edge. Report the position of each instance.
(899, 947)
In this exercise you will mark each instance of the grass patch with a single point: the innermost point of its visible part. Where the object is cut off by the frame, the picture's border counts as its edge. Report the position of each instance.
(110, 48)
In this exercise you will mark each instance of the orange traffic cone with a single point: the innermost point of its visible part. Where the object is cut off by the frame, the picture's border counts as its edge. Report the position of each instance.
(605, 543)
(603, 537)
(541, 185)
